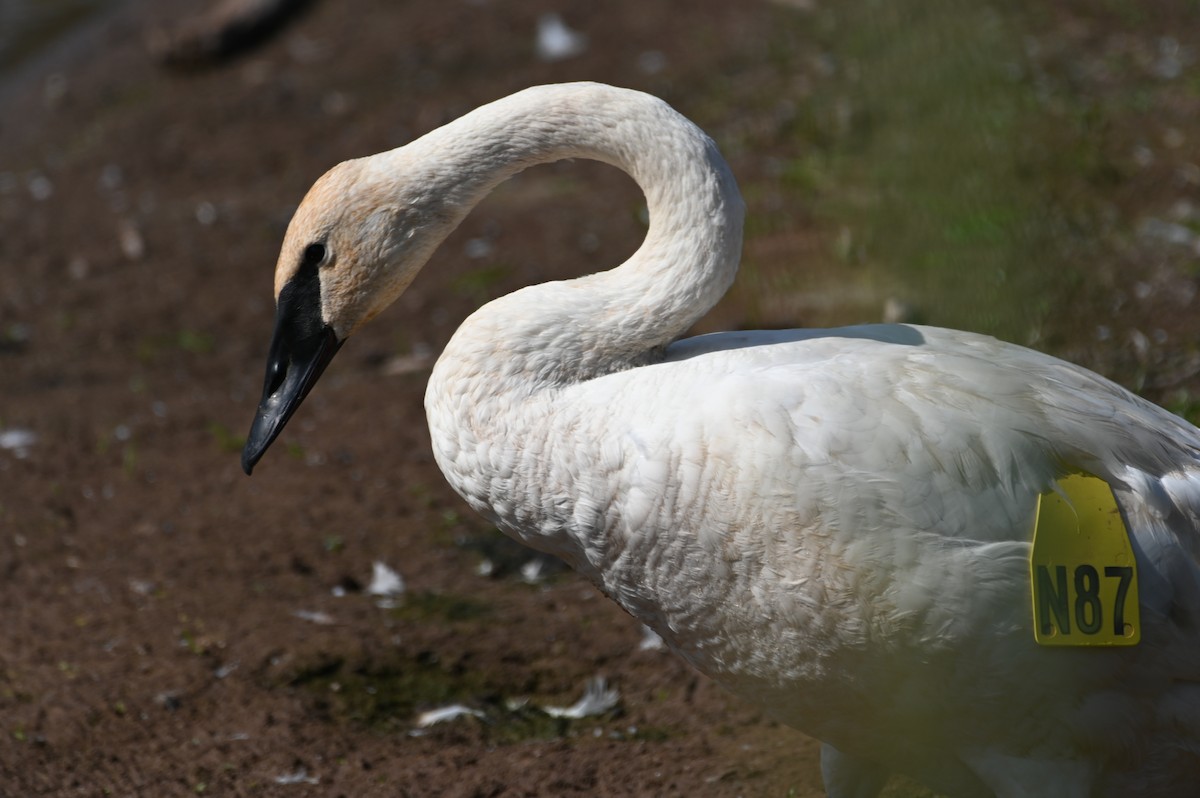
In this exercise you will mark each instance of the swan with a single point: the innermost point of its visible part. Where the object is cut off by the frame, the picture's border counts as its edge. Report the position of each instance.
(837, 525)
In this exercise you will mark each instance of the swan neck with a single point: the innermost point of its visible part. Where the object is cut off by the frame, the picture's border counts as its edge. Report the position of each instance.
(624, 316)
(506, 379)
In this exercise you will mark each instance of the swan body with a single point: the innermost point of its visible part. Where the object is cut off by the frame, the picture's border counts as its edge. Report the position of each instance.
(833, 524)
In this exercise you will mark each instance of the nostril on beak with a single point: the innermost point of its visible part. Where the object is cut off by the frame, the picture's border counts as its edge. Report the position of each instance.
(276, 375)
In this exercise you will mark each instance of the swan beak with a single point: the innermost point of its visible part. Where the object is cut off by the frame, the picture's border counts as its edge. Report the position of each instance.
(300, 351)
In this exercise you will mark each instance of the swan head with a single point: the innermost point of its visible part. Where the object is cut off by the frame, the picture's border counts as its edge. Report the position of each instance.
(355, 243)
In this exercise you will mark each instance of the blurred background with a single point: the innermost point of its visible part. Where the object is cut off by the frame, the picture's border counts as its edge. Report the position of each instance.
(1027, 169)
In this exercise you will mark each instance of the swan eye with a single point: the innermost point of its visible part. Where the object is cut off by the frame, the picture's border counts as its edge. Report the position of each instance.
(314, 254)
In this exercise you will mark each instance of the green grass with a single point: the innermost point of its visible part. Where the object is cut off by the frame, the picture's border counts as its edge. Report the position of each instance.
(388, 697)
(935, 162)
(427, 606)
(932, 143)
(152, 348)
(225, 439)
(479, 283)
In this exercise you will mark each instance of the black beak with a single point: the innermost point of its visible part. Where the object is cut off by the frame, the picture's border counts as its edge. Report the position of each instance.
(301, 348)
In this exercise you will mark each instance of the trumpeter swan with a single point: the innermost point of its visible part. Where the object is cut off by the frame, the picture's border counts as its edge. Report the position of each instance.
(833, 524)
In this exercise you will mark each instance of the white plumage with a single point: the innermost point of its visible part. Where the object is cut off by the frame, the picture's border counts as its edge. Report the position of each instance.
(834, 524)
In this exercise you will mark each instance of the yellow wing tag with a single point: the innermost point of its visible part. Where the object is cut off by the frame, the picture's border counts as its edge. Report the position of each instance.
(1084, 576)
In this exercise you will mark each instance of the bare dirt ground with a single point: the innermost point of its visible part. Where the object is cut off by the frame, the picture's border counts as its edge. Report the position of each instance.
(155, 640)
(171, 627)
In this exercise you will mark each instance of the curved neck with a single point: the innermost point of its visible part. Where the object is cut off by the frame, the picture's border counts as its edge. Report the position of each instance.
(576, 329)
